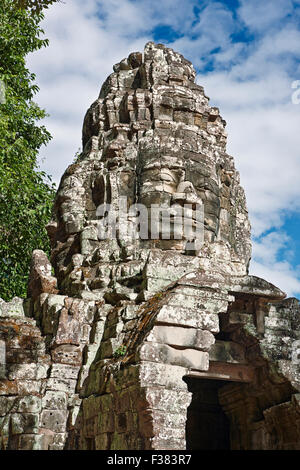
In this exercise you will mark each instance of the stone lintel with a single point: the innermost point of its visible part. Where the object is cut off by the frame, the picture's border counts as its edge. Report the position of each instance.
(255, 286)
(226, 372)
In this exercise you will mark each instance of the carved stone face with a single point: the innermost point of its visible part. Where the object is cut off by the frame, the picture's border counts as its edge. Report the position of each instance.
(153, 138)
(162, 183)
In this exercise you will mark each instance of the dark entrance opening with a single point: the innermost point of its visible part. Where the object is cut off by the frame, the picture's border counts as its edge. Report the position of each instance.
(207, 426)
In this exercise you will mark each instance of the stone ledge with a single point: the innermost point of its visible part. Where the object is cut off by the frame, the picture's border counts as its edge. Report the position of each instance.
(190, 358)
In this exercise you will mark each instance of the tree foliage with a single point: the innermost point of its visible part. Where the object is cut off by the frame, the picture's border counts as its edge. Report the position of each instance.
(35, 6)
(26, 194)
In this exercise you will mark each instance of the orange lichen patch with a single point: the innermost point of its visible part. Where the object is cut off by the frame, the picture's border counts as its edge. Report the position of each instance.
(12, 329)
(72, 168)
(86, 272)
(9, 327)
(29, 342)
(8, 387)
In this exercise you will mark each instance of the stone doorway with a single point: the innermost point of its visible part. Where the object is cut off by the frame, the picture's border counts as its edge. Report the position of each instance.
(207, 426)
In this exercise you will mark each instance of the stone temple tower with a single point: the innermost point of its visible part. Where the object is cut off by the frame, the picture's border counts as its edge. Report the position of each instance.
(140, 341)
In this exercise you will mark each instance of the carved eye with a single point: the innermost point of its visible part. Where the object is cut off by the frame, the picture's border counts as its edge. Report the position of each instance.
(166, 177)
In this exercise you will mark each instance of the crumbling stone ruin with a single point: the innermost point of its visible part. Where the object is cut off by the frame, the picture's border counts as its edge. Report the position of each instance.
(150, 343)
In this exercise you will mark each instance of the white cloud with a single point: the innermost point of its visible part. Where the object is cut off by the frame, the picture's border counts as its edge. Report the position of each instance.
(212, 31)
(255, 98)
(281, 274)
(259, 15)
(267, 248)
(266, 252)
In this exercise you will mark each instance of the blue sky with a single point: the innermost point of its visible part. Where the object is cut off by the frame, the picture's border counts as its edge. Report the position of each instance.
(246, 53)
